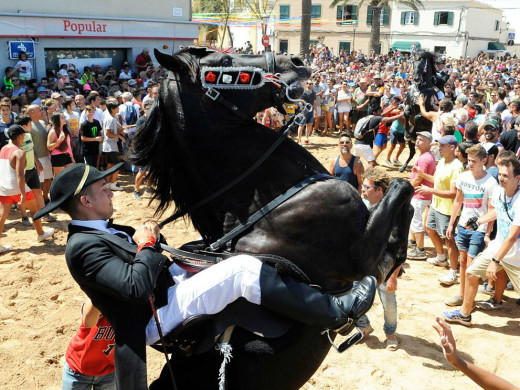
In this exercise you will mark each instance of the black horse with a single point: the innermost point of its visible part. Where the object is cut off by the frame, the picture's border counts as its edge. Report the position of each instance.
(195, 142)
(424, 77)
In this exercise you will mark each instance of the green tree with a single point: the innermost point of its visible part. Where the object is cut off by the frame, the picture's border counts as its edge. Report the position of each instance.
(377, 6)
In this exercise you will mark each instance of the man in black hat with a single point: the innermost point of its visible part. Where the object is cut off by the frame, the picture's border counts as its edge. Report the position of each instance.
(120, 268)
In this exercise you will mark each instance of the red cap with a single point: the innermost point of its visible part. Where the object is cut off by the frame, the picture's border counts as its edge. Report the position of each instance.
(139, 80)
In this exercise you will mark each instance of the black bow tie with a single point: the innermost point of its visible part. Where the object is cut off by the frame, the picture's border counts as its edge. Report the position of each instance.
(110, 223)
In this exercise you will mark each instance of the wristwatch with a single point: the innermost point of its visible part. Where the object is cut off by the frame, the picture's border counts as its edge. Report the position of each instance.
(495, 261)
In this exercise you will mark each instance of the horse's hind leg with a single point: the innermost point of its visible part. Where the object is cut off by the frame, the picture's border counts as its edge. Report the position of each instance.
(411, 147)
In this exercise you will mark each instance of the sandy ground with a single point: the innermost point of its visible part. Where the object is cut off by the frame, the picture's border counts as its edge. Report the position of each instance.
(40, 303)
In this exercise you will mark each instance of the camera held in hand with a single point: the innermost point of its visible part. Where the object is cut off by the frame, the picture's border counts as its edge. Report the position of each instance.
(472, 223)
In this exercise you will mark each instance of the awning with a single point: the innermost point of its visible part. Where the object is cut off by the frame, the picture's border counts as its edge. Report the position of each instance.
(405, 45)
(496, 46)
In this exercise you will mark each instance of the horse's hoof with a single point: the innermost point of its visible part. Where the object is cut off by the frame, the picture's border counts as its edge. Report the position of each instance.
(403, 168)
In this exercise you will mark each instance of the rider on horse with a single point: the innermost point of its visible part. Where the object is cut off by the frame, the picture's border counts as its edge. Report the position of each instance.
(120, 269)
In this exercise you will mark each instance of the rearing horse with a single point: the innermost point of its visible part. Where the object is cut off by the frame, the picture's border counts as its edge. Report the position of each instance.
(424, 81)
(197, 139)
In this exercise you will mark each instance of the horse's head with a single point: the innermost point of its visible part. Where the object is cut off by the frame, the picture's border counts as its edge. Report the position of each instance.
(183, 124)
(424, 69)
(244, 80)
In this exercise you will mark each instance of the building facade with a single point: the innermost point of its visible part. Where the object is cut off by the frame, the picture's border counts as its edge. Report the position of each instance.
(454, 27)
(339, 27)
(72, 32)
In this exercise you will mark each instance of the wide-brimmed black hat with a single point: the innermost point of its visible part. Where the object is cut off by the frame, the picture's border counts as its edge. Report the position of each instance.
(70, 182)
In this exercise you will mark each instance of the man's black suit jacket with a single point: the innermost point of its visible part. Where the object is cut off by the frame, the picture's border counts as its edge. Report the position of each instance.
(119, 282)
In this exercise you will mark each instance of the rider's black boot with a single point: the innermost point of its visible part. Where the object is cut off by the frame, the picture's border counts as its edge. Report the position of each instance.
(310, 306)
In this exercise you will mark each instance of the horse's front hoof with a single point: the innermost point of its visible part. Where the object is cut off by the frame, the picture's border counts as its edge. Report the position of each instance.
(403, 168)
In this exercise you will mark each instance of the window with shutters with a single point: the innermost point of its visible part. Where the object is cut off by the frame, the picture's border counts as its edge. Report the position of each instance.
(346, 14)
(284, 12)
(409, 18)
(384, 16)
(315, 11)
(497, 25)
(315, 14)
(443, 18)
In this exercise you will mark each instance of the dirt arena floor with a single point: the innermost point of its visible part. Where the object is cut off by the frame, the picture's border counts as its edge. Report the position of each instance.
(40, 311)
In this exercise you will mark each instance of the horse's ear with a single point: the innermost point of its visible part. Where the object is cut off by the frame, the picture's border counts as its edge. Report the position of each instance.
(199, 51)
(167, 61)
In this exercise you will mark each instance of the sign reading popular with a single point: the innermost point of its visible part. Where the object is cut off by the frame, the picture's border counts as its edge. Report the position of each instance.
(80, 27)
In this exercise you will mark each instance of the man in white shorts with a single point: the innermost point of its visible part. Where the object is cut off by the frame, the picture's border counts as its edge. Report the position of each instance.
(503, 253)
(425, 164)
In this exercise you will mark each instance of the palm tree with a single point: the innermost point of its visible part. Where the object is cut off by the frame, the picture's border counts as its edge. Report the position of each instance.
(377, 6)
(305, 32)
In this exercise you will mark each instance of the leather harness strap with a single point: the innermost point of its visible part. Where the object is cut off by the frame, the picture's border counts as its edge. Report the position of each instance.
(182, 255)
(252, 219)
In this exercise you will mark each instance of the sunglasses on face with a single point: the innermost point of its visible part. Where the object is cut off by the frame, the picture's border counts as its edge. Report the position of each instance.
(365, 187)
(345, 142)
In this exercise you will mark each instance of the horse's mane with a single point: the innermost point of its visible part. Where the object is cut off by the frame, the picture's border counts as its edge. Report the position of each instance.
(155, 146)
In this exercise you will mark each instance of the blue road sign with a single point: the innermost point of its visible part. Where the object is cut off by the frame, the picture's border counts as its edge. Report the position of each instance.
(16, 47)
(511, 36)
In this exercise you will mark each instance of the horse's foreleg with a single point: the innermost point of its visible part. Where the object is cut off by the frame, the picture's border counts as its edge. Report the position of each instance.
(408, 137)
(387, 230)
(411, 147)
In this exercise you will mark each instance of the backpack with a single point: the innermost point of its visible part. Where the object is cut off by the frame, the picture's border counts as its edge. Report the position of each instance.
(130, 115)
(362, 127)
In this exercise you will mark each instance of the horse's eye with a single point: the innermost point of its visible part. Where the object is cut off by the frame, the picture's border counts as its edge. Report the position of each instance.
(227, 61)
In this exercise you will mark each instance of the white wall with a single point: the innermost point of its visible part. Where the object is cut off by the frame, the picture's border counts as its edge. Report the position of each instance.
(157, 9)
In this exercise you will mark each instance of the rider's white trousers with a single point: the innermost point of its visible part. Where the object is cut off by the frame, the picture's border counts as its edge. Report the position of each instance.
(207, 292)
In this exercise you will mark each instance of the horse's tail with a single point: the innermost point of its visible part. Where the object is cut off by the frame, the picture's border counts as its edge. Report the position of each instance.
(386, 234)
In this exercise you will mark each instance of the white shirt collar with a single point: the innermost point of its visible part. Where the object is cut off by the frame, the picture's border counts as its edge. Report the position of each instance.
(97, 224)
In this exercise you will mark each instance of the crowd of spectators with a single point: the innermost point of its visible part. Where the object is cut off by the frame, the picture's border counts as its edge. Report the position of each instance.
(67, 117)
(463, 178)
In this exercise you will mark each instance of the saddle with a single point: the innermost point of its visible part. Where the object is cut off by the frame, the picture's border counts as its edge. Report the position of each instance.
(198, 334)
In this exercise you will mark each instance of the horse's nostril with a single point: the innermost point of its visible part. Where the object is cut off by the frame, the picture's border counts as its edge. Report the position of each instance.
(296, 61)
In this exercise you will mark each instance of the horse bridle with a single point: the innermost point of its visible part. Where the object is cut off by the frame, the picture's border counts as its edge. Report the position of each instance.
(213, 94)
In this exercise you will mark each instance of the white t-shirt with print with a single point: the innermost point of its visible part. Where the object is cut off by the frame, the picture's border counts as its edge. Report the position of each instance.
(508, 213)
(476, 194)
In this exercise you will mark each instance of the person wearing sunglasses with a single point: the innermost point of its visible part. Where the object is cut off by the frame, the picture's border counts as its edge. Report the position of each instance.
(347, 166)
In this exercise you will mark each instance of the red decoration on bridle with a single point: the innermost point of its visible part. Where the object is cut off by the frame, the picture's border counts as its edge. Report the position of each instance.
(211, 77)
(244, 77)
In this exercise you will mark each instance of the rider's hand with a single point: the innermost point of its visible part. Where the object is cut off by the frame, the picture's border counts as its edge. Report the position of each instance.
(146, 231)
